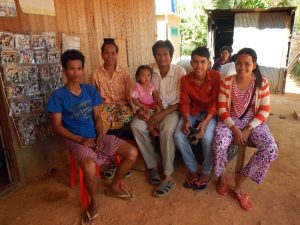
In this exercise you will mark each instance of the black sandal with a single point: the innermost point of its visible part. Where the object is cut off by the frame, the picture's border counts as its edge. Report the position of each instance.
(154, 177)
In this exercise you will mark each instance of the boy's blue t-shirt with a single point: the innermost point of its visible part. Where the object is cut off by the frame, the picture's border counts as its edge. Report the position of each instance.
(77, 111)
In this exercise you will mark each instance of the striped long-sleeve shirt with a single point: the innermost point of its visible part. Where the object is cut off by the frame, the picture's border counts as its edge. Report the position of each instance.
(262, 102)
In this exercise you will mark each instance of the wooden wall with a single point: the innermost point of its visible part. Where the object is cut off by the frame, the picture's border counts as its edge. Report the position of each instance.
(131, 22)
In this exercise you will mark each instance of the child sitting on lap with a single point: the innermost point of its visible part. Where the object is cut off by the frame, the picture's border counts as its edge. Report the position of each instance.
(145, 96)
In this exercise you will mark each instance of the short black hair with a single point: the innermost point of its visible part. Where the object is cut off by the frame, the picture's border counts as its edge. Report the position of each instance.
(225, 47)
(71, 54)
(163, 44)
(109, 42)
(140, 68)
(201, 51)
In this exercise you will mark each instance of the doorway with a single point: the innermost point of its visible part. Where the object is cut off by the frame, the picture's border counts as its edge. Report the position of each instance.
(5, 178)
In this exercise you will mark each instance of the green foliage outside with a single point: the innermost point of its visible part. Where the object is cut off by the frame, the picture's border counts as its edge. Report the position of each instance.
(193, 28)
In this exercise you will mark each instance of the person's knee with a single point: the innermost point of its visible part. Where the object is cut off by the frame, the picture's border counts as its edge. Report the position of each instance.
(137, 125)
(131, 153)
(178, 135)
(88, 167)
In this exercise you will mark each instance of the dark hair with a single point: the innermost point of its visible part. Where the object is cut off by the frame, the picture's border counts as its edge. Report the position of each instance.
(163, 44)
(201, 51)
(109, 42)
(71, 54)
(256, 71)
(225, 47)
(139, 70)
(232, 58)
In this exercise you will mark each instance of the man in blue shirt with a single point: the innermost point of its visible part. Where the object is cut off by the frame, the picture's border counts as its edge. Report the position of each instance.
(74, 110)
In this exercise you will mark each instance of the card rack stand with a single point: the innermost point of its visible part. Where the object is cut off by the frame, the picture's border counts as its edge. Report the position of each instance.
(30, 71)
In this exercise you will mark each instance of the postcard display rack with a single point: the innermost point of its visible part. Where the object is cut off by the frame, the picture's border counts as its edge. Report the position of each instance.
(30, 71)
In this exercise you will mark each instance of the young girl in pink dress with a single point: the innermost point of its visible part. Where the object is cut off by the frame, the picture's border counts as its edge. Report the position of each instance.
(145, 96)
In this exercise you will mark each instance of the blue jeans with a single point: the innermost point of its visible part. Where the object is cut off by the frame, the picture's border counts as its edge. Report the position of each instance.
(185, 149)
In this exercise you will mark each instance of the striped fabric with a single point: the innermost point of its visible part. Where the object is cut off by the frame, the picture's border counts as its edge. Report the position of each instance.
(262, 102)
(240, 101)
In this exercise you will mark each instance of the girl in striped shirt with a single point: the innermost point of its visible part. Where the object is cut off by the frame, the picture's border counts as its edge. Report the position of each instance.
(243, 107)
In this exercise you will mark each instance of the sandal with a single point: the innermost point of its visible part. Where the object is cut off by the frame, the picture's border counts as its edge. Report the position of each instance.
(88, 218)
(127, 195)
(164, 188)
(222, 189)
(153, 177)
(201, 185)
(190, 184)
(244, 200)
(110, 173)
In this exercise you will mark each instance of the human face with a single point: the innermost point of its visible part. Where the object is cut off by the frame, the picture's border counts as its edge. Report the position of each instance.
(225, 55)
(109, 55)
(74, 71)
(200, 65)
(144, 77)
(163, 57)
(244, 65)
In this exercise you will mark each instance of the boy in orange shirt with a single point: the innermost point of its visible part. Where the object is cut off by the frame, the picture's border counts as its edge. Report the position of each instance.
(198, 108)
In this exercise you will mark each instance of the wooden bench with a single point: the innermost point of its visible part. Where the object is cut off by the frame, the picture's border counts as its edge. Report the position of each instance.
(240, 159)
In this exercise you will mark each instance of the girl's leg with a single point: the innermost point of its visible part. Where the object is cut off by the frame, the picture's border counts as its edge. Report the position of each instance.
(222, 139)
(267, 151)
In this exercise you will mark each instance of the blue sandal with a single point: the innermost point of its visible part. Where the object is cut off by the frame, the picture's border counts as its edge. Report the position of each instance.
(164, 188)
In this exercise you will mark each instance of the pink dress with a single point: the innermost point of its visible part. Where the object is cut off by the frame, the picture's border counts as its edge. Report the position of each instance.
(144, 96)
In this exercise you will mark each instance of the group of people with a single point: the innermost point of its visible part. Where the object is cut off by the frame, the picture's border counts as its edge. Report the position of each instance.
(167, 103)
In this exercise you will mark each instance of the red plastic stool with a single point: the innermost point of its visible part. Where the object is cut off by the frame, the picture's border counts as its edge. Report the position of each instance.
(84, 196)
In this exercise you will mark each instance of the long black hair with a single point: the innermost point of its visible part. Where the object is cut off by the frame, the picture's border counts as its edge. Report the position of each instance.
(256, 71)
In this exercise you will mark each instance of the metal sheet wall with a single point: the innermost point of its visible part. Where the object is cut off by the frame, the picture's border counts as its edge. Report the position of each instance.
(268, 35)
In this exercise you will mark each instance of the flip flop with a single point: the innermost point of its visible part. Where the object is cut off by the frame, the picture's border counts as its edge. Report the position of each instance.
(89, 219)
(201, 185)
(127, 195)
(222, 189)
(190, 184)
(244, 200)
(164, 188)
(110, 173)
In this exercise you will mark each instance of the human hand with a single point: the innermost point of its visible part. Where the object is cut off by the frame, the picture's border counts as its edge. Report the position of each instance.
(99, 143)
(155, 119)
(142, 114)
(186, 127)
(238, 136)
(88, 142)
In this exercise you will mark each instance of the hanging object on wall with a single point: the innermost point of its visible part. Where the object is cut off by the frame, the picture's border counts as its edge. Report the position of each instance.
(8, 8)
(29, 71)
(70, 42)
(42, 7)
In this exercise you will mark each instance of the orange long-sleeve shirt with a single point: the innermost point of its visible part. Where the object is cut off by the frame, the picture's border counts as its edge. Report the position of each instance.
(195, 98)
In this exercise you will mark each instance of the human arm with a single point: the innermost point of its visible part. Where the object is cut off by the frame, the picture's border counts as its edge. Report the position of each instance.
(137, 102)
(159, 116)
(56, 122)
(98, 127)
(157, 98)
(263, 108)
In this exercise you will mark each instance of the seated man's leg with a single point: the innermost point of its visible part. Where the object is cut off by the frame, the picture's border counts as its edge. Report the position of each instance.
(128, 153)
(206, 143)
(185, 149)
(167, 128)
(90, 180)
(87, 159)
(141, 134)
(112, 146)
